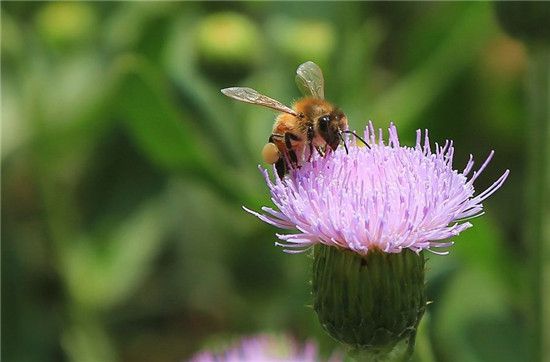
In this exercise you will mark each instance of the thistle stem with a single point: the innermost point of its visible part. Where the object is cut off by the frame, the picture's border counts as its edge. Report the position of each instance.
(424, 350)
(401, 352)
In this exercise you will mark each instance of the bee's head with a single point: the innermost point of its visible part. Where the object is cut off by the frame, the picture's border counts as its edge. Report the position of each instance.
(330, 127)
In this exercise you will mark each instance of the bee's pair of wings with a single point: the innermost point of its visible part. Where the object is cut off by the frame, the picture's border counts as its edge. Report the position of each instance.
(309, 79)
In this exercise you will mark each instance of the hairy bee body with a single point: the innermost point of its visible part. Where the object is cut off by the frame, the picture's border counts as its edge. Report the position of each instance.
(311, 124)
(316, 126)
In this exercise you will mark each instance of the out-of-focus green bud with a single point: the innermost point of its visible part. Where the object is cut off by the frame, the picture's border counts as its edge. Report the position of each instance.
(303, 40)
(228, 44)
(527, 20)
(504, 59)
(66, 23)
(371, 303)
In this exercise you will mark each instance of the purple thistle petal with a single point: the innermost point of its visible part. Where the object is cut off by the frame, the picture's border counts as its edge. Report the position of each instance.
(265, 348)
(388, 197)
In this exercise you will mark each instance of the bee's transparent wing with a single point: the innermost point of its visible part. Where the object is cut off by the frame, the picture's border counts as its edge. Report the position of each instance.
(309, 79)
(249, 95)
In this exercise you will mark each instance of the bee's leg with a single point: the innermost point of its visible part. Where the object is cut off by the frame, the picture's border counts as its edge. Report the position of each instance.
(293, 158)
(310, 152)
(280, 165)
(289, 137)
(320, 151)
(310, 135)
(271, 138)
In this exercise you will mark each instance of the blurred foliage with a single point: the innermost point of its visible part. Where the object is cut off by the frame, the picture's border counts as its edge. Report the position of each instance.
(124, 170)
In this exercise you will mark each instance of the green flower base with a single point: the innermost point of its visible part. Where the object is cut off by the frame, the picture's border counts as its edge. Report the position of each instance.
(371, 303)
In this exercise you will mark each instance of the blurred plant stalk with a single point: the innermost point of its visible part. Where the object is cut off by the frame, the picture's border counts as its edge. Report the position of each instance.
(528, 21)
(538, 206)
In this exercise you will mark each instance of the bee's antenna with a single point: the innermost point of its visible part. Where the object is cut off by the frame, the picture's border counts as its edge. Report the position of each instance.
(343, 140)
(357, 136)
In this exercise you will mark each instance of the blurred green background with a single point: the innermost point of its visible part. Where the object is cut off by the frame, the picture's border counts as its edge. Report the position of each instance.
(124, 170)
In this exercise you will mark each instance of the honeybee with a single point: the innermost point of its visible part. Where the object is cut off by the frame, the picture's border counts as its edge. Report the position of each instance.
(311, 124)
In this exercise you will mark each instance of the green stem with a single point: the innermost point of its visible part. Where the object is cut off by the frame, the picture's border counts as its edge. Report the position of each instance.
(85, 338)
(538, 207)
(401, 352)
(424, 351)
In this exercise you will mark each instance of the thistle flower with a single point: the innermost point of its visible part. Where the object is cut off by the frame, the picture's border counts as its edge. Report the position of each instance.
(264, 348)
(389, 198)
(369, 213)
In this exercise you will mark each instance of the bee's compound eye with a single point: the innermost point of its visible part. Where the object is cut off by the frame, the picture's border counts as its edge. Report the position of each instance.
(270, 153)
(324, 119)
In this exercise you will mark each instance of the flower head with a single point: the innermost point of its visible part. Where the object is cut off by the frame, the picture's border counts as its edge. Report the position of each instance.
(387, 197)
(264, 348)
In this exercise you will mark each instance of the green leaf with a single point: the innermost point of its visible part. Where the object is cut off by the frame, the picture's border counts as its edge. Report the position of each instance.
(475, 307)
(102, 273)
(165, 134)
(408, 99)
(143, 103)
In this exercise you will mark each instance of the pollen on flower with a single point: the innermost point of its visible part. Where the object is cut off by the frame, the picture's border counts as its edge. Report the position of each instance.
(389, 197)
